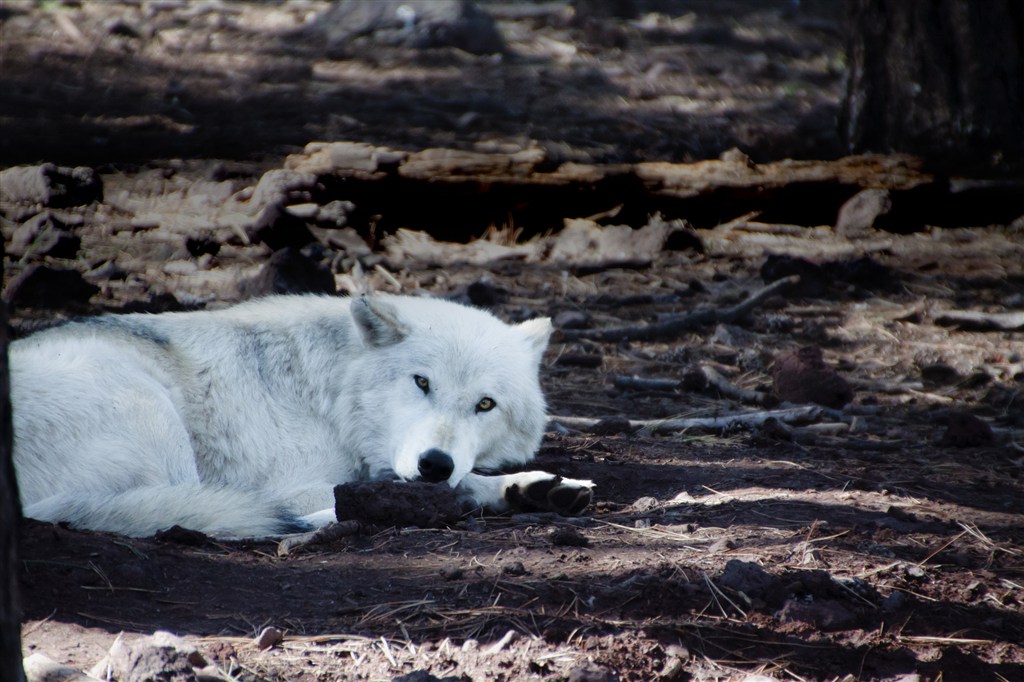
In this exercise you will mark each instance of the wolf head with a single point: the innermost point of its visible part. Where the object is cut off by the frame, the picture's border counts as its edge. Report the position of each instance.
(448, 388)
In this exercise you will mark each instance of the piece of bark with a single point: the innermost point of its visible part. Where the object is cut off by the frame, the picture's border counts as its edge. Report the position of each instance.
(397, 503)
(801, 376)
(321, 536)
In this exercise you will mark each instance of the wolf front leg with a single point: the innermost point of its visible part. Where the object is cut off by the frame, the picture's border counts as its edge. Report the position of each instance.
(527, 491)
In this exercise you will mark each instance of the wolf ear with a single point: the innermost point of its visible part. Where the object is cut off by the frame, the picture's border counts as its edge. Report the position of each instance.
(377, 321)
(537, 332)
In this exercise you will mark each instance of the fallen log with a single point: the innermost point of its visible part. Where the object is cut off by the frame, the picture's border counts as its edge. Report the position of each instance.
(662, 179)
(793, 415)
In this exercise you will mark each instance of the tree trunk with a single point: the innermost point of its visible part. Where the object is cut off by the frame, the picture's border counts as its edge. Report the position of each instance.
(943, 79)
(10, 614)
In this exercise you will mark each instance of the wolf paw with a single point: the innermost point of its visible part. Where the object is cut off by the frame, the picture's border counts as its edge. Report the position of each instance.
(565, 496)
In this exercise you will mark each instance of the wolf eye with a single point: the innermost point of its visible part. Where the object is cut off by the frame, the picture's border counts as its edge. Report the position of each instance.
(422, 383)
(485, 405)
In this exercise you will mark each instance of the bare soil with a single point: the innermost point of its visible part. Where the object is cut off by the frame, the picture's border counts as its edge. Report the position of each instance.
(881, 541)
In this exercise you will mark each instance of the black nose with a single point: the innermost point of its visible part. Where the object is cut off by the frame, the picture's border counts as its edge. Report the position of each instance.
(436, 466)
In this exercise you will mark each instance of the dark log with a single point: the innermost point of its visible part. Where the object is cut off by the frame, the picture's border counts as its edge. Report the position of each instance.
(943, 79)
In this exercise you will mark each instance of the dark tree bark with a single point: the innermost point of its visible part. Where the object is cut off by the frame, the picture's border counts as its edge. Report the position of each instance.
(943, 79)
(10, 614)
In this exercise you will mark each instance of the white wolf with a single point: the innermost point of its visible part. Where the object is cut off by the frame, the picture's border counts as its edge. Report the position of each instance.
(241, 421)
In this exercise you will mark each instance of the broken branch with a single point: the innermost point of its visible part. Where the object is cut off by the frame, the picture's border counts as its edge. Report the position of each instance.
(793, 415)
(711, 377)
(677, 325)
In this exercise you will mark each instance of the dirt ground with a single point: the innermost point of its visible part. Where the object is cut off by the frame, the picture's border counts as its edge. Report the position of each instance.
(879, 537)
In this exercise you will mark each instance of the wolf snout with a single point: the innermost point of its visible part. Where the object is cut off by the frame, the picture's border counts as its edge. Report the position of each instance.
(436, 466)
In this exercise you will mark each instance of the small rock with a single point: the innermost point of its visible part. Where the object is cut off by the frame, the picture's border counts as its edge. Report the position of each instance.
(452, 573)
(861, 211)
(289, 271)
(568, 537)
(900, 514)
(644, 504)
(610, 426)
(939, 374)
(182, 536)
(966, 430)
(894, 602)
(721, 545)
(162, 656)
(269, 637)
(733, 336)
(826, 614)
(571, 319)
(514, 568)
(591, 672)
(914, 572)
(746, 577)
(802, 376)
(677, 651)
(737, 156)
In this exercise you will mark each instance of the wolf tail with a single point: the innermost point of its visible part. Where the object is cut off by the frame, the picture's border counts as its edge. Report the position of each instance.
(142, 511)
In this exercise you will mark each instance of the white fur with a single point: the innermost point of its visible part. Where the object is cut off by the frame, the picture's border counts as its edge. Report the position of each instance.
(240, 421)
